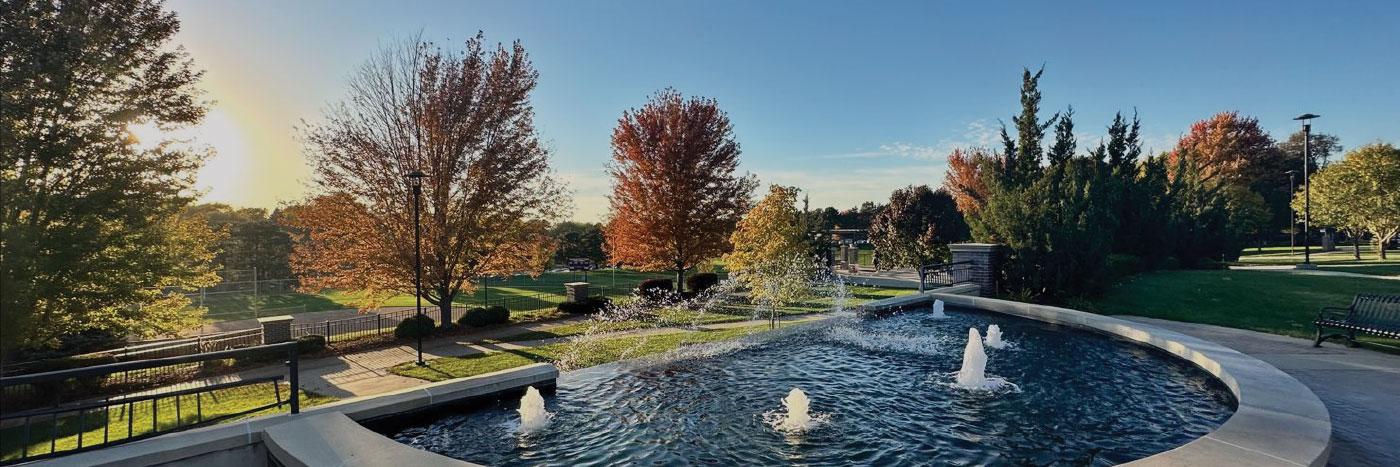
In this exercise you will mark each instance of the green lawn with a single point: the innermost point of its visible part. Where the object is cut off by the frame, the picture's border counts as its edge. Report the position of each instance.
(1340, 260)
(1267, 301)
(724, 313)
(598, 352)
(213, 404)
(539, 293)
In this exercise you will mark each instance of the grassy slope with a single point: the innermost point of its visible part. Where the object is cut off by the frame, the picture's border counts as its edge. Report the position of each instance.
(227, 307)
(213, 404)
(599, 352)
(1267, 301)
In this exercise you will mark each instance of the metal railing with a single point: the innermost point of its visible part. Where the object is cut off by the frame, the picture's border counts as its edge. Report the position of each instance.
(945, 274)
(161, 349)
(69, 423)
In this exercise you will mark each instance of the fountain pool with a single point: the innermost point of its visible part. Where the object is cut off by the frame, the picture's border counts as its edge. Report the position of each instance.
(886, 389)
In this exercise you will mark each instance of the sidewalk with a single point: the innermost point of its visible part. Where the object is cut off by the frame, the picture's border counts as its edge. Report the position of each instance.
(366, 373)
(902, 278)
(1311, 272)
(1360, 387)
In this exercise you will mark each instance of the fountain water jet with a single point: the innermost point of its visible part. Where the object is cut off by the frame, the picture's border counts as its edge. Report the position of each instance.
(994, 337)
(973, 374)
(532, 413)
(938, 309)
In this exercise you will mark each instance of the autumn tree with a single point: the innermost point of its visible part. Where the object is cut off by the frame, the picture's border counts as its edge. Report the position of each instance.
(917, 227)
(1321, 147)
(966, 177)
(463, 118)
(1361, 193)
(1233, 149)
(676, 197)
(771, 257)
(92, 238)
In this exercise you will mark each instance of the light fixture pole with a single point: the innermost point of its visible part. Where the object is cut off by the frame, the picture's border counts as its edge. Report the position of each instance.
(1292, 214)
(417, 179)
(1307, 192)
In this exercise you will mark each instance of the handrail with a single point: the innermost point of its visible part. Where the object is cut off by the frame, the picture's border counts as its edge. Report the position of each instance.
(947, 268)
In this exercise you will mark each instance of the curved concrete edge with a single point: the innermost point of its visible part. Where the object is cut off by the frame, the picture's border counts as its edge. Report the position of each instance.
(1279, 422)
(241, 443)
(334, 439)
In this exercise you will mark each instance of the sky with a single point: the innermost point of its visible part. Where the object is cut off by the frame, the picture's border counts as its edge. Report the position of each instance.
(846, 100)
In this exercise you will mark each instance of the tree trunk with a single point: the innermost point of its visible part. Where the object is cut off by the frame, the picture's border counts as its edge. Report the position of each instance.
(680, 278)
(1356, 246)
(445, 308)
(1380, 245)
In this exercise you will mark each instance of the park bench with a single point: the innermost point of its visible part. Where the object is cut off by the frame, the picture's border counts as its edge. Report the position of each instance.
(1375, 314)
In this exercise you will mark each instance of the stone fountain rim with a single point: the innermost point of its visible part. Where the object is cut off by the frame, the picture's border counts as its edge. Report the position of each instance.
(1278, 421)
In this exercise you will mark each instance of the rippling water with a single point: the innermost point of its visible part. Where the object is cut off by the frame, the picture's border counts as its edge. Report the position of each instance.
(1083, 399)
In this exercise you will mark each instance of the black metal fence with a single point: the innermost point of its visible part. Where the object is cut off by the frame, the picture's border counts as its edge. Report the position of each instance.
(62, 412)
(944, 274)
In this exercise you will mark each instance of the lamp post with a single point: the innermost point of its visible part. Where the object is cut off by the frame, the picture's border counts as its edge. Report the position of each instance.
(1292, 214)
(416, 178)
(1307, 192)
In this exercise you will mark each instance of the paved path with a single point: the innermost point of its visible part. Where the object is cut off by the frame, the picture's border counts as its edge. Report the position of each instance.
(906, 278)
(1360, 387)
(367, 373)
(1288, 268)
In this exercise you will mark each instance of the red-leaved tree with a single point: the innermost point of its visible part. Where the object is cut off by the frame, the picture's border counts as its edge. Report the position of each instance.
(676, 197)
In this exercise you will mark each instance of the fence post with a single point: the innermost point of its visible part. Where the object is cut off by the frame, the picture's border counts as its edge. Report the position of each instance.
(378, 322)
(294, 376)
(276, 329)
(328, 331)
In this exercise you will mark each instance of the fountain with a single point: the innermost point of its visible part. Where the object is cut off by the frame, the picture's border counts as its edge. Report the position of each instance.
(938, 309)
(994, 337)
(973, 374)
(798, 418)
(532, 413)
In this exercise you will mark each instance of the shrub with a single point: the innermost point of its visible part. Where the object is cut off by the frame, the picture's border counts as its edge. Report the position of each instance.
(484, 316)
(699, 283)
(310, 344)
(655, 289)
(1118, 267)
(68, 363)
(415, 326)
(590, 306)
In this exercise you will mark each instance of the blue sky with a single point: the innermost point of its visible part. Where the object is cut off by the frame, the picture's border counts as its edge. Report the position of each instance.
(846, 100)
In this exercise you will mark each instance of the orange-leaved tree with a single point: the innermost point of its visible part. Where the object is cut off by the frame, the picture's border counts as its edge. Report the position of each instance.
(675, 197)
(965, 180)
(463, 118)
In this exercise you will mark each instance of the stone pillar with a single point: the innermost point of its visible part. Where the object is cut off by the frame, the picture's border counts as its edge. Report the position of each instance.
(576, 291)
(276, 329)
(983, 257)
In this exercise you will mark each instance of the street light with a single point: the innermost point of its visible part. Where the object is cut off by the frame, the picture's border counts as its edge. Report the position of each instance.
(1307, 192)
(1292, 214)
(416, 178)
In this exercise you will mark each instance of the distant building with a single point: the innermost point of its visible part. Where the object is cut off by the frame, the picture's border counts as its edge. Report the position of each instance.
(848, 236)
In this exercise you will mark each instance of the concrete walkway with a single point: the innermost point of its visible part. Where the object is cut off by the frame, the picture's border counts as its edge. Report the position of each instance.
(1360, 387)
(902, 278)
(1312, 272)
(367, 373)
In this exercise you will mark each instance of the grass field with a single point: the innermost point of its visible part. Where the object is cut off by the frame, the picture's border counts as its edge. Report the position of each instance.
(1267, 301)
(117, 423)
(1340, 260)
(227, 307)
(599, 352)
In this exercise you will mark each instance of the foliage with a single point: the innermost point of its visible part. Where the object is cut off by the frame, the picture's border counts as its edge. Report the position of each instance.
(699, 283)
(654, 289)
(966, 181)
(1230, 149)
(592, 305)
(1321, 146)
(92, 237)
(310, 344)
(675, 197)
(484, 316)
(415, 326)
(578, 240)
(765, 243)
(917, 227)
(1359, 194)
(464, 119)
(1057, 220)
(253, 238)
